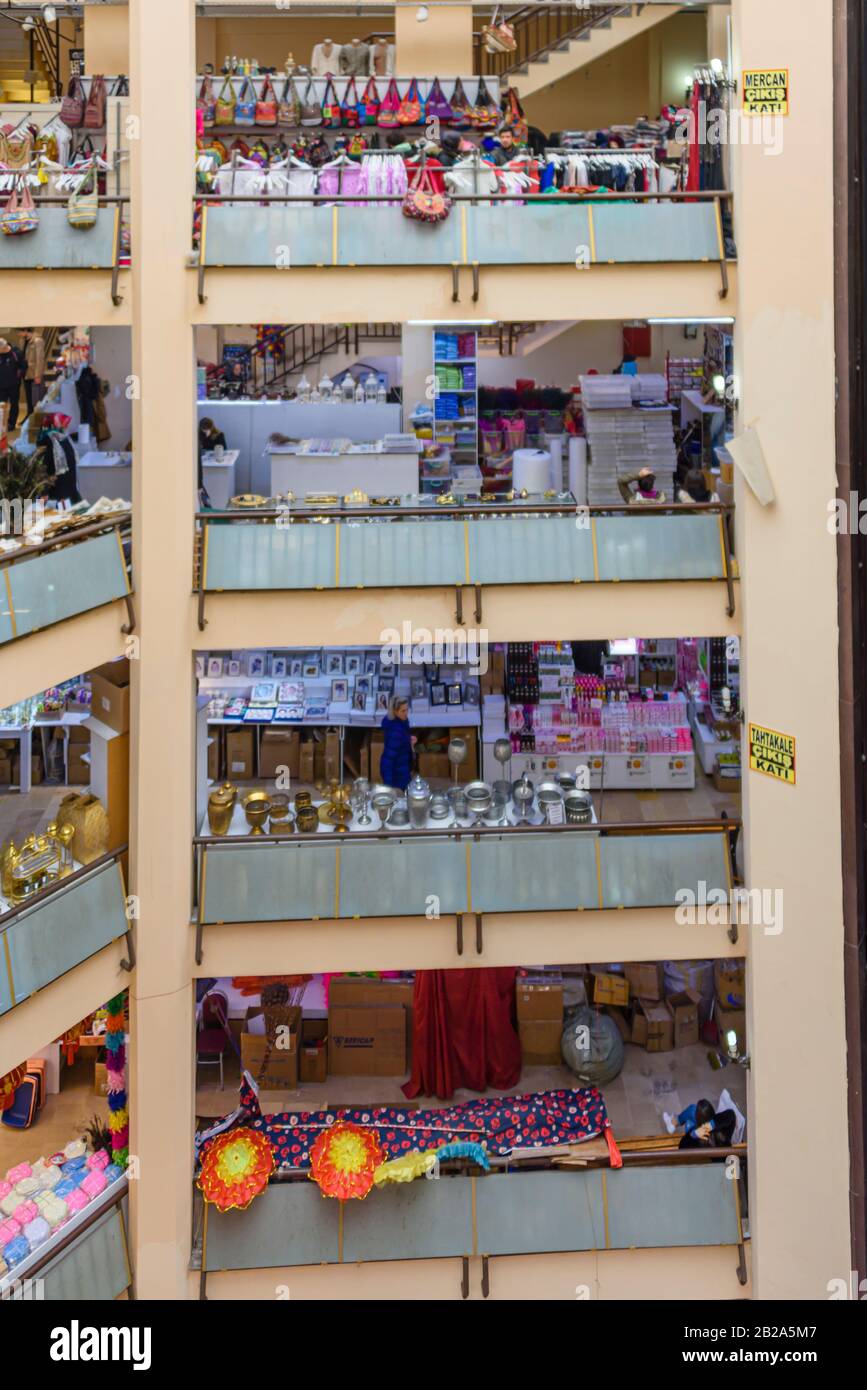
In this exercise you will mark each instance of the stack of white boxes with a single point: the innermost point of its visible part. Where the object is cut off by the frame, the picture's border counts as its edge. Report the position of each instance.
(624, 437)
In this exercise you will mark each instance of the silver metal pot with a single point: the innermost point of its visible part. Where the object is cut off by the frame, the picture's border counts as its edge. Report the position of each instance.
(399, 816)
(439, 806)
(418, 799)
(579, 807)
(478, 796)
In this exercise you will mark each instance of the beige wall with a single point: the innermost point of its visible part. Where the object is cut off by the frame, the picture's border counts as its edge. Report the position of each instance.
(270, 40)
(442, 44)
(106, 39)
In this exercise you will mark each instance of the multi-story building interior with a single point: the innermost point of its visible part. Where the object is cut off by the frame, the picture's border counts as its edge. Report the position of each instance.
(427, 656)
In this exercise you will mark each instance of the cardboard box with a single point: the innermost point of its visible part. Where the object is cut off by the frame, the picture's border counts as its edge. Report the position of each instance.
(624, 1026)
(355, 989)
(434, 765)
(537, 1000)
(110, 686)
(684, 1012)
(281, 1069)
(37, 772)
(377, 743)
(318, 760)
(652, 1025)
(732, 1020)
(279, 748)
(213, 758)
(100, 1079)
(610, 989)
(5, 769)
(313, 1055)
(239, 754)
(366, 1041)
(645, 979)
(730, 982)
(305, 761)
(77, 771)
(77, 734)
(540, 1041)
(333, 767)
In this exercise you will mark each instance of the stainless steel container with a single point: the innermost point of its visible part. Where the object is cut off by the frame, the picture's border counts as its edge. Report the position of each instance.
(579, 808)
(418, 799)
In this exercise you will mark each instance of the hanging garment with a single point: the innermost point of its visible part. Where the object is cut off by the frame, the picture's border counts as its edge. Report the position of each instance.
(342, 176)
(470, 177)
(386, 174)
(291, 176)
(245, 177)
(464, 1034)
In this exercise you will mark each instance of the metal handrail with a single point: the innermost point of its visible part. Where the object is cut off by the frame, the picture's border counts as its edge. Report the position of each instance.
(119, 1190)
(486, 509)
(119, 521)
(612, 828)
(56, 889)
(555, 196)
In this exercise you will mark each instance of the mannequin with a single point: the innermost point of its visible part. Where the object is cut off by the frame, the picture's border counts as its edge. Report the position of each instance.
(381, 59)
(354, 58)
(325, 59)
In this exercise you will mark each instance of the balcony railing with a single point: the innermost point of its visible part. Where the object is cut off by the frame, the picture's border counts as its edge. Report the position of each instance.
(462, 546)
(286, 231)
(55, 245)
(63, 926)
(64, 576)
(690, 1200)
(86, 1260)
(475, 872)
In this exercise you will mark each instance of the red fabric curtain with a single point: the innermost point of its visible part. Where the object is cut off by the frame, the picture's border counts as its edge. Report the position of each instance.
(463, 1032)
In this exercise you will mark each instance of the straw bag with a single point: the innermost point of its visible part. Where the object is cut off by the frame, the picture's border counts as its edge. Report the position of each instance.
(224, 107)
(389, 107)
(485, 114)
(462, 111)
(94, 111)
(266, 106)
(72, 106)
(87, 816)
(207, 104)
(289, 109)
(245, 107)
(330, 107)
(350, 115)
(311, 111)
(83, 207)
(368, 107)
(409, 111)
(19, 215)
(436, 108)
(499, 36)
(422, 202)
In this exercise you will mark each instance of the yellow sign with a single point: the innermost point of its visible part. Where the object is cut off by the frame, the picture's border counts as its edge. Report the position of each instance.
(772, 753)
(766, 91)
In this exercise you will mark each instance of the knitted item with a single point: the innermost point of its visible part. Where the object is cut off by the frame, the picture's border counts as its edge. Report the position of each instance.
(19, 1172)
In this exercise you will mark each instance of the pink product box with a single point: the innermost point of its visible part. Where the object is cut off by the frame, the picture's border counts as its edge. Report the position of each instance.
(77, 1200)
(20, 1171)
(9, 1229)
(98, 1160)
(25, 1212)
(94, 1183)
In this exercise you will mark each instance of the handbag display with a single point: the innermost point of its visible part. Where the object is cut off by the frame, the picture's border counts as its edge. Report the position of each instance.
(121, 86)
(89, 820)
(206, 103)
(94, 111)
(409, 111)
(350, 116)
(82, 209)
(514, 118)
(330, 107)
(436, 108)
(19, 215)
(462, 111)
(245, 106)
(422, 203)
(389, 107)
(368, 107)
(16, 149)
(266, 106)
(311, 111)
(73, 104)
(485, 114)
(224, 108)
(289, 108)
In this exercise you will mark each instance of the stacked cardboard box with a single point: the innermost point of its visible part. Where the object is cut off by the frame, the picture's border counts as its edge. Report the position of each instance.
(77, 769)
(369, 1026)
(730, 1007)
(279, 749)
(240, 749)
(281, 1068)
(539, 1008)
(110, 698)
(314, 1049)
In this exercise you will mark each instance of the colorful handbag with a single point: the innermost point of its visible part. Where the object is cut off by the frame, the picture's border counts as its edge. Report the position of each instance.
(409, 111)
(462, 111)
(311, 111)
(499, 36)
(224, 107)
(350, 115)
(330, 107)
(389, 107)
(436, 108)
(485, 114)
(94, 111)
(121, 86)
(207, 104)
(245, 107)
(16, 149)
(422, 203)
(266, 106)
(368, 108)
(289, 109)
(19, 215)
(72, 106)
(514, 118)
(83, 207)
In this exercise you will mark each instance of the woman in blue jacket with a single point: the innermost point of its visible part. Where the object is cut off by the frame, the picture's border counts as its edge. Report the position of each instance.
(395, 767)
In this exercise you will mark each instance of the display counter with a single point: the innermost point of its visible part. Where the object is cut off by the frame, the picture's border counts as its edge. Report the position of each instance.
(218, 478)
(105, 475)
(380, 474)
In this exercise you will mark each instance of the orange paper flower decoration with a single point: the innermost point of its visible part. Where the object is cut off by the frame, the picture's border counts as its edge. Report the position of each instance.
(343, 1161)
(236, 1167)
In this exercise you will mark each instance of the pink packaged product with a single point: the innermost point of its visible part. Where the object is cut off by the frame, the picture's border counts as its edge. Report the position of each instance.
(98, 1160)
(25, 1212)
(19, 1172)
(76, 1201)
(5, 1189)
(9, 1229)
(94, 1183)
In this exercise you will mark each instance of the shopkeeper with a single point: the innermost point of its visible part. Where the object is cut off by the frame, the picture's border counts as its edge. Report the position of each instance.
(210, 438)
(395, 767)
(645, 487)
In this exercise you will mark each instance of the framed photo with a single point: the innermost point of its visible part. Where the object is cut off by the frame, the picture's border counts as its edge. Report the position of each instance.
(353, 664)
(279, 667)
(418, 688)
(455, 694)
(382, 698)
(315, 710)
(387, 668)
(359, 700)
(291, 693)
(334, 664)
(364, 685)
(437, 693)
(386, 684)
(431, 671)
(339, 691)
(201, 668)
(215, 667)
(310, 670)
(471, 695)
(289, 714)
(371, 665)
(296, 666)
(255, 665)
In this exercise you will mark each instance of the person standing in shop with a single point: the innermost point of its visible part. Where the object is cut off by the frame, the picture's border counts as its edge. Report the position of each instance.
(395, 767)
(10, 382)
(33, 348)
(645, 487)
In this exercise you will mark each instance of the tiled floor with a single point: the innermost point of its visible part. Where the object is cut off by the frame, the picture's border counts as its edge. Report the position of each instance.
(21, 816)
(63, 1117)
(649, 1084)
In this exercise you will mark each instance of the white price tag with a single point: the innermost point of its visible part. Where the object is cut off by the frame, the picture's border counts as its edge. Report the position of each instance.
(555, 813)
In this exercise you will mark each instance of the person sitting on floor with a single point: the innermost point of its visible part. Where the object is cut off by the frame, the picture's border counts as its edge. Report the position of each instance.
(646, 491)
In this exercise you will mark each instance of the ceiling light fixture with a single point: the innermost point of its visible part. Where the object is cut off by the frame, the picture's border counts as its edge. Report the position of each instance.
(49, 14)
(421, 13)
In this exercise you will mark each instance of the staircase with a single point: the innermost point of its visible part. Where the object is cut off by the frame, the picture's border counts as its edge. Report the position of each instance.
(15, 65)
(554, 41)
(303, 344)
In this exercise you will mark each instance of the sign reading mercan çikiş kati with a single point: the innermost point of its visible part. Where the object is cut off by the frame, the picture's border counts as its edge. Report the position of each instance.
(766, 91)
(772, 753)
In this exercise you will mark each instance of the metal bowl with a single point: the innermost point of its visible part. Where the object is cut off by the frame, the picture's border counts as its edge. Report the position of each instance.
(548, 793)
(565, 781)
(477, 793)
(399, 816)
(439, 808)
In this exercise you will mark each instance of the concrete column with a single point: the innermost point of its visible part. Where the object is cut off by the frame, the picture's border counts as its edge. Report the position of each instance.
(799, 1173)
(161, 1072)
(717, 31)
(443, 43)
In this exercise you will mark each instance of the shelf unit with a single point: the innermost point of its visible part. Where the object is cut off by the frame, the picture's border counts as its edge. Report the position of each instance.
(445, 429)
